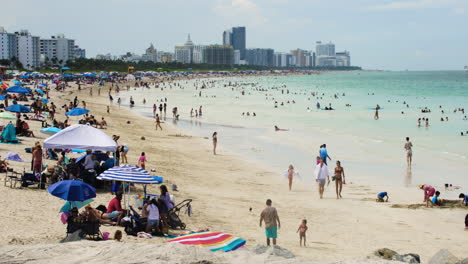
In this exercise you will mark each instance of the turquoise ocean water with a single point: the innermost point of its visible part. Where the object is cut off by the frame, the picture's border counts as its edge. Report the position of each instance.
(370, 150)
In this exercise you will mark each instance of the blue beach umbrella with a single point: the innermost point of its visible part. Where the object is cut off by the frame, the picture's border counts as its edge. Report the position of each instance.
(40, 91)
(77, 111)
(17, 89)
(14, 157)
(2, 97)
(50, 130)
(78, 204)
(44, 100)
(72, 190)
(17, 108)
(42, 85)
(65, 68)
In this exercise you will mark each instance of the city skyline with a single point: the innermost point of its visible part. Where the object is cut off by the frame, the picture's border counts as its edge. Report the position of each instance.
(389, 35)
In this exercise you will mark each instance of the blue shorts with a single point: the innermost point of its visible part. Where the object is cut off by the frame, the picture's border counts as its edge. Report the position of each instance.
(114, 214)
(271, 232)
(153, 222)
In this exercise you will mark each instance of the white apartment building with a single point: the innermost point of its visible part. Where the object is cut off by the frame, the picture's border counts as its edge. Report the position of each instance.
(198, 54)
(58, 49)
(28, 51)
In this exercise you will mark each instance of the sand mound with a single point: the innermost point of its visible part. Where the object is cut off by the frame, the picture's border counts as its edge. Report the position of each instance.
(446, 204)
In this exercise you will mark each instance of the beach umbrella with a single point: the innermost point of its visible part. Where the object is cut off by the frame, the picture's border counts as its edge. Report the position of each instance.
(127, 173)
(44, 100)
(72, 204)
(65, 68)
(42, 85)
(40, 91)
(14, 157)
(50, 130)
(72, 190)
(5, 115)
(17, 89)
(2, 97)
(77, 111)
(17, 108)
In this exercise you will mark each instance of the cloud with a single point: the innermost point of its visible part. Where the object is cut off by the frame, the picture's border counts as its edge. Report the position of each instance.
(418, 4)
(240, 11)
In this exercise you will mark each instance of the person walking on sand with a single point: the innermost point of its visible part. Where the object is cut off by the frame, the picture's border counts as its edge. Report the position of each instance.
(324, 153)
(142, 160)
(302, 232)
(270, 216)
(290, 175)
(409, 151)
(158, 122)
(339, 179)
(321, 175)
(215, 142)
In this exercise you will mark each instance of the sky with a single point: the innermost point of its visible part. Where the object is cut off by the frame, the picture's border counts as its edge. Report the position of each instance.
(380, 34)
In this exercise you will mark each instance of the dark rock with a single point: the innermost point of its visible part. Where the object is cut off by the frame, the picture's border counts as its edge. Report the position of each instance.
(410, 258)
(465, 261)
(444, 256)
(202, 262)
(386, 253)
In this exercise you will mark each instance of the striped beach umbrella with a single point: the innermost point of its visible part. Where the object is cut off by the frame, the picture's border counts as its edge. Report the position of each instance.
(127, 173)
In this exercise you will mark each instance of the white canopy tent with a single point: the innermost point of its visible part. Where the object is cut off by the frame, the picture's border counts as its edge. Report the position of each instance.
(81, 137)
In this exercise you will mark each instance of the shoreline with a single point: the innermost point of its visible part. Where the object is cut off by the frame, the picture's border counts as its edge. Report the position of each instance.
(223, 184)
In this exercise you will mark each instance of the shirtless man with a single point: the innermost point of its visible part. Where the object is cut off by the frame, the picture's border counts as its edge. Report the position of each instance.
(409, 151)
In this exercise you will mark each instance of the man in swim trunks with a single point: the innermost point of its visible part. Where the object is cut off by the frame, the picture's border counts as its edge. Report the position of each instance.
(272, 222)
(409, 151)
(381, 196)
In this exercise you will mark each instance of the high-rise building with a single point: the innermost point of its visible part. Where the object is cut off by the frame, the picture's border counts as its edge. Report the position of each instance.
(227, 37)
(58, 49)
(217, 54)
(327, 49)
(165, 57)
(184, 54)
(6, 50)
(260, 57)
(150, 54)
(343, 59)
(198, 54)
(79, 52)
(238, 40)
(28, 50)
(300, 57)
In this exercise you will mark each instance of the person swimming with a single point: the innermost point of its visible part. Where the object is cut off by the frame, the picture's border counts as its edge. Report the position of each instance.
(279, 129)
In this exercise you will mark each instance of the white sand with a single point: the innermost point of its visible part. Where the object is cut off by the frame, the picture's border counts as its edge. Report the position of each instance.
(223, 188)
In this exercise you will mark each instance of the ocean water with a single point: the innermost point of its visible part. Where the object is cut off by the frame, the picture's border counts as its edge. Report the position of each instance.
(371, 151)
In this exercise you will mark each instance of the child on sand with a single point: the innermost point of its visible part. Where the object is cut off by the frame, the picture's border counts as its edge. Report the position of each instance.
(465, 199)
(381, 196)
(142, 160)
(435, 199)
(302, 232)
(118, 235)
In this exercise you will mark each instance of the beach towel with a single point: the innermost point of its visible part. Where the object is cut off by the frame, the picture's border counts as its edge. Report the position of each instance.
(213, 241)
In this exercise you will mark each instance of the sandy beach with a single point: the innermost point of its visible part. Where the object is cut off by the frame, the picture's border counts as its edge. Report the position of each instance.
(223, 188)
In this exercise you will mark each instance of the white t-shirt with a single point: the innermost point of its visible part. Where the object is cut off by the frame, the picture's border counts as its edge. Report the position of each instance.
(321, 173)
(153, 212)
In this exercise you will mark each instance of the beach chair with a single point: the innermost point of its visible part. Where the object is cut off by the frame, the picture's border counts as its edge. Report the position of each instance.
(12, 177)
(91, 230)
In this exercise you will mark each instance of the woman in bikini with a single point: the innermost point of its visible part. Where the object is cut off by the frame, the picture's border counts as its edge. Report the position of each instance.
(339, 179)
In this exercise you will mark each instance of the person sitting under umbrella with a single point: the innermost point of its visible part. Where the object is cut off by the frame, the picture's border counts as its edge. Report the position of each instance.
(93, 214)
(114, 209)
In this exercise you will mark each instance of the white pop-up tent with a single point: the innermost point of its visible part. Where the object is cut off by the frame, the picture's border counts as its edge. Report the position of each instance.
(81, 137)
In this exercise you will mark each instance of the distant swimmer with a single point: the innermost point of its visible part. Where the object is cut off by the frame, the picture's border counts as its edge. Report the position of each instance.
(279, 129)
